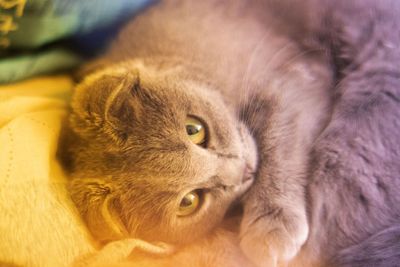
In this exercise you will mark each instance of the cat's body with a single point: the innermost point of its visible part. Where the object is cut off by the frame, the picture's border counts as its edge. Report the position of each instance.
(353, 192)
(239, 69)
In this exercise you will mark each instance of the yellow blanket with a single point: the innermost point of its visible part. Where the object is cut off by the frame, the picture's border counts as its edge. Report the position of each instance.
(39, 225)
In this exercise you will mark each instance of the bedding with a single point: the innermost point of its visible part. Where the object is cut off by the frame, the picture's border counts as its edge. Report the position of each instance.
(39, 224)
(44, 36)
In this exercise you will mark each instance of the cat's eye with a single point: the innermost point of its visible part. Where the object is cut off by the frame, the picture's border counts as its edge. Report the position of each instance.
(196, 131)
(189, 203)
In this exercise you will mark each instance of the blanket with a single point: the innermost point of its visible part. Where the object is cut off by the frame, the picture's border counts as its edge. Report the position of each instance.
(39, 224)
(43, 36)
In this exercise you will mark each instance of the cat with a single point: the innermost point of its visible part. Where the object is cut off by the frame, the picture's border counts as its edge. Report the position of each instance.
(268, 52)
(194, 102)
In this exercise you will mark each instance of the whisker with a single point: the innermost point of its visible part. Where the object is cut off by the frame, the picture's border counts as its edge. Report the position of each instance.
(243, 91)
(245, 97)
(277, 54)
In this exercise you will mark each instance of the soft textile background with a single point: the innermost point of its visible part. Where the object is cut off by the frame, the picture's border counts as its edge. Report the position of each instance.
(39, 225)
(37, 216)
(42, 36)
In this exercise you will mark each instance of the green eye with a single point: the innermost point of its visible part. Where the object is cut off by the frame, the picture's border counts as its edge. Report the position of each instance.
(195, 130)
(189, 203)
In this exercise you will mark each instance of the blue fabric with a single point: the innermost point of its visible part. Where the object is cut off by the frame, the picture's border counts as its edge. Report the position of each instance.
(43, 36)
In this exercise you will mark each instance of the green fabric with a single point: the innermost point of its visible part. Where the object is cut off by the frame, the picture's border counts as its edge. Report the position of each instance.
(29, 30)
(31, 64)
(35, 31)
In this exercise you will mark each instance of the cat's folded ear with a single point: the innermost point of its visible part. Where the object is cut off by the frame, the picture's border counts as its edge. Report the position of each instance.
(99, 207)
(123, 105)
(108, 100)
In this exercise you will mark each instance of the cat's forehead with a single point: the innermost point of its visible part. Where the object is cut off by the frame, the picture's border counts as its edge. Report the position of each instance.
(165, 89)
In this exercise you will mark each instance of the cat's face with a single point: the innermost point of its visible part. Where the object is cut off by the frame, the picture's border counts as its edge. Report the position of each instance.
(164, 155)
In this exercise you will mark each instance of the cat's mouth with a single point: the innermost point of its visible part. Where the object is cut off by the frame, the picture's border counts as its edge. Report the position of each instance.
(234, 214)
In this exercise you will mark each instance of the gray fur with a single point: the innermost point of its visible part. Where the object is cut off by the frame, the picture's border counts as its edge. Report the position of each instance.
(353, 193)
(380, 250)
(269, 68)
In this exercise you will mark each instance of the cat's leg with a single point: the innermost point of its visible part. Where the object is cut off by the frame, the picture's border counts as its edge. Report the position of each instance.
(274, 225)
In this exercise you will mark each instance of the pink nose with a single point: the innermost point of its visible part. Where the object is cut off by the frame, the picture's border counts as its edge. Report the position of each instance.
(248, 174)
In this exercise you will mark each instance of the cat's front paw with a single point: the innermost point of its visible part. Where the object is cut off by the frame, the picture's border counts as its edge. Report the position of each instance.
(272, 240)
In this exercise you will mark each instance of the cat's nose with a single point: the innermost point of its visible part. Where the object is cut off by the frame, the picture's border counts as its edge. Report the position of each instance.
(248, 174)
(246, 181)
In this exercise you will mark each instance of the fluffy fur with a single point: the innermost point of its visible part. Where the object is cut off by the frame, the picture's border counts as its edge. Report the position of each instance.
(355, 174)
(245, 65)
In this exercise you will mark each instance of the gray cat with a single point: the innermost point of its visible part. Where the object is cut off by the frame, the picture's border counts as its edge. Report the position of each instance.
(197, 100)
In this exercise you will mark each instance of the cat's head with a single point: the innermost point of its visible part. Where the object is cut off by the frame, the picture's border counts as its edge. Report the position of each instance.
(154, 155)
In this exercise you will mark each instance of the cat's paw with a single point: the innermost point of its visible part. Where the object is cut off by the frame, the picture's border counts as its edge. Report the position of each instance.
(274, 239)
